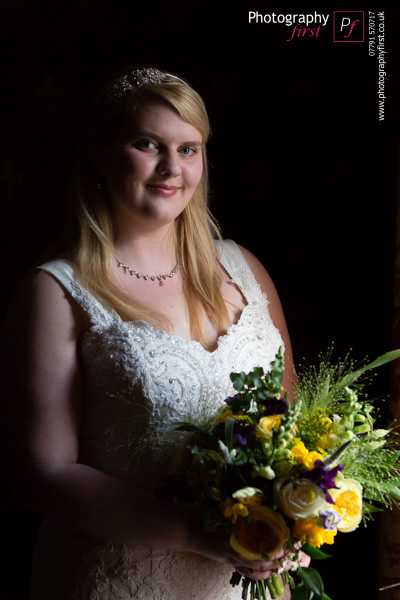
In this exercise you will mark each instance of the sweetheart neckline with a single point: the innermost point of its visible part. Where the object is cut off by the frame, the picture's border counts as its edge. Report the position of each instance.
(181, 339)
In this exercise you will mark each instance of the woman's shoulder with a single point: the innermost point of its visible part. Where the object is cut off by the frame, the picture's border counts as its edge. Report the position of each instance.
(233, 254)
(42, 299)
(63, 270)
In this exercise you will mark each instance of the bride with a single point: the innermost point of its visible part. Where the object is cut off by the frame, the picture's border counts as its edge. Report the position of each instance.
(134, 327)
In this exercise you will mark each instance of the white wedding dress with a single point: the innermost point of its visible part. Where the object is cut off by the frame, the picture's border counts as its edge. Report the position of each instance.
(139, 383)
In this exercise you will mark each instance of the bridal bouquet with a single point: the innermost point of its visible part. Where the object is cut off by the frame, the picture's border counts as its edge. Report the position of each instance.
(274, 474)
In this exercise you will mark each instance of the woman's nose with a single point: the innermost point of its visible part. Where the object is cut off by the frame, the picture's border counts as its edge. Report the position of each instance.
(169, 164)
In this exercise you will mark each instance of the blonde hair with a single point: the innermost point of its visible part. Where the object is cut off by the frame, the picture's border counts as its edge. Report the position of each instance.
(195, 228)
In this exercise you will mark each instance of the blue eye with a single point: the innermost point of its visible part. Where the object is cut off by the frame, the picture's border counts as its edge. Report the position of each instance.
(188, 151)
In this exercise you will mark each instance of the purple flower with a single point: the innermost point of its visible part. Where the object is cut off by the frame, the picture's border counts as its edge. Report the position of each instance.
(242, 431)
(275, 407)
(231, 398)
(324, 478)
(330, 519)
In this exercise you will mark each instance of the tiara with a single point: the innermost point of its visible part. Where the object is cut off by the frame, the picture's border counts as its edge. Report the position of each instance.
(117, 89)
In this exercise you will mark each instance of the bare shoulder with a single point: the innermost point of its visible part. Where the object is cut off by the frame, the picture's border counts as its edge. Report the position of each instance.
(40, 332)
(41, 304)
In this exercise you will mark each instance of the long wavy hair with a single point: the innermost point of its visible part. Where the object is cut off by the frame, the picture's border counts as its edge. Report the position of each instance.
(195, 229)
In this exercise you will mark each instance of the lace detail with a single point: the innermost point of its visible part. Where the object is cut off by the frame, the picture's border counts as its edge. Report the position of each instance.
(99, 315)
(113, 573)
(139, 382)
(144, 381)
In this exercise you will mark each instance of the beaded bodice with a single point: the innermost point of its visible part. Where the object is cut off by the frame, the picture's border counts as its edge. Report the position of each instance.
(140, 381)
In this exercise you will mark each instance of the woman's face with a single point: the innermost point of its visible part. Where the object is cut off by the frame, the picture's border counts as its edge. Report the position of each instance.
(153, 167)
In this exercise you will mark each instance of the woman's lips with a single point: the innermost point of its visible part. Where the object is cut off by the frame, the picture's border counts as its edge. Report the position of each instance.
(163, 189)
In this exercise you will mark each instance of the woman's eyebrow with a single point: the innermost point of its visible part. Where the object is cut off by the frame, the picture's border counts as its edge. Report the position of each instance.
(154, 136)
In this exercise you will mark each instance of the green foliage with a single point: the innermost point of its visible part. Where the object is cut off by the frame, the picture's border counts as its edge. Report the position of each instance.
(323, 387)
(312, 581)
(256, 386)
(314, 553)
(376, 469)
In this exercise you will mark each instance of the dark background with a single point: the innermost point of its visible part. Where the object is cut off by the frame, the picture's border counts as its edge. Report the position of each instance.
(303, 173)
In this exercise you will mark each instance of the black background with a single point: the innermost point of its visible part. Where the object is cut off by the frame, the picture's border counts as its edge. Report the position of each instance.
(303, 173)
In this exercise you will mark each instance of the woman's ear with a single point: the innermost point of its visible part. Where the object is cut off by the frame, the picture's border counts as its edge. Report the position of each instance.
(96, 149)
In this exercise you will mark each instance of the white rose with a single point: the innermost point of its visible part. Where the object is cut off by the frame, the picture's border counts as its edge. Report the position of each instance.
(298, 501)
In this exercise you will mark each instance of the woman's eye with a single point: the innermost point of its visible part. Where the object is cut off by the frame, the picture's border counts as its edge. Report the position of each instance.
(146, 145)
(188, 151)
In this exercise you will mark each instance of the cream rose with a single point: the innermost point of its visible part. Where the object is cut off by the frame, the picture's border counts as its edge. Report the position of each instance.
(348, 503)
(298, 501)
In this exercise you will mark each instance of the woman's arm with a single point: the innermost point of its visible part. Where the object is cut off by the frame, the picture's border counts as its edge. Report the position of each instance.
(278, 318)
(41, 427)
(42, 409)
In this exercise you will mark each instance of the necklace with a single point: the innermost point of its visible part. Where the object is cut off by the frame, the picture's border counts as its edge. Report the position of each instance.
(159, 278)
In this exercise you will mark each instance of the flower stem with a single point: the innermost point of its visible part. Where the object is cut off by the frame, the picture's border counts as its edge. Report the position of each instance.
(246, 583)
(264, 591)
(271, 588)
(277, 584)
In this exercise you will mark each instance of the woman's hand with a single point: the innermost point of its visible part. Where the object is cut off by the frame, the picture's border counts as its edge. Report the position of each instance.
(216, 546)
(304, 559)
(262, 569)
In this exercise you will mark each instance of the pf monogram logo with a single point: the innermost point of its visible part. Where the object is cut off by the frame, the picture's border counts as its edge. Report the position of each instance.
(348, 26)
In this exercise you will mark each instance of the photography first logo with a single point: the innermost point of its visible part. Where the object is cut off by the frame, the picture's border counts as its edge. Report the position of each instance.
(348, 26)
(298, 22)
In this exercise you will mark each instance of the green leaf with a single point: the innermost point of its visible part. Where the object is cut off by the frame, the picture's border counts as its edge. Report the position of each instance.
(390, 489)
(312, 580)
(314, 553)
(300, 592)
(381, 360)
(238, 380)
(370, 508)
(240, 457)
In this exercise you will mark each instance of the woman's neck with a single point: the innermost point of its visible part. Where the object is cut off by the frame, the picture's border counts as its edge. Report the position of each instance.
(147, 252)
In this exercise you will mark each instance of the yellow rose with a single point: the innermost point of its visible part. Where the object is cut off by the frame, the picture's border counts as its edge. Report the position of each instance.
(271, 422)
(309, 531)
(348, 503)
(267, 424)
(301, 500)
(326, 441)
(265, 531)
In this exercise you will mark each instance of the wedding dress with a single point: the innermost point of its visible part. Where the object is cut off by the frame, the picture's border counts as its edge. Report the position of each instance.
(139, 382)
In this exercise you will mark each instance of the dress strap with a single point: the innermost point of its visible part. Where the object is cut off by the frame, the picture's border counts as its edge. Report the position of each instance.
(62, 270)
(231, 256)
(99, 312)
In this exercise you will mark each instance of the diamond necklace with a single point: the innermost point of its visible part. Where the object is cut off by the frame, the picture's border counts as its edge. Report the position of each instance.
(159, 278)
